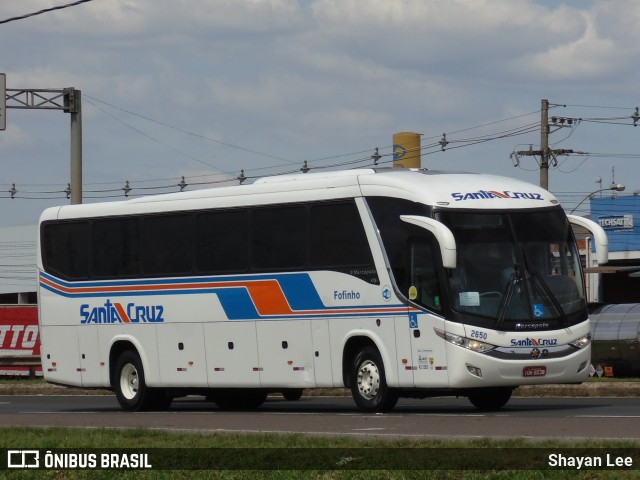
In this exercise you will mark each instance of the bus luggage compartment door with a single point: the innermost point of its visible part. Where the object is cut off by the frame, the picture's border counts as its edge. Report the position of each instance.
(286, 353)
(181, 355)
(232, 354)
(60, 355)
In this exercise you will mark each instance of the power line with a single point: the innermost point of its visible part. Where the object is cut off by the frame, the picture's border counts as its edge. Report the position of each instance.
(137, 130)
(215, 140)
(615, 155)
(594, 106)
(46, 10)
(548, 155)
(128, 189)
(290, 162)
(492, 123)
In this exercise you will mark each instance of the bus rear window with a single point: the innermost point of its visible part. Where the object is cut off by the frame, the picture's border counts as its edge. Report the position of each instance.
(65, 249)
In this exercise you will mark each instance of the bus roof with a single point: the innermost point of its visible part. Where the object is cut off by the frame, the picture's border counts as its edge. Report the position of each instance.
(443, 189)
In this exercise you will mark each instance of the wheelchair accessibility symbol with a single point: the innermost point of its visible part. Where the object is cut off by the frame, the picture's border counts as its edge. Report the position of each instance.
(413, 320)
(538, 310)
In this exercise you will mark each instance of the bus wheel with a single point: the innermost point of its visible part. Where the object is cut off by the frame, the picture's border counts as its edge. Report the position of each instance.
(488, 399)
(128, 381)
(292, 394)
(368, 383)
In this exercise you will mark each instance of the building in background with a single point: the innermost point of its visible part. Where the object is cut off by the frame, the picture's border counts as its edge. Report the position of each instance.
(619, 216)
(18, 272)
(19, 335)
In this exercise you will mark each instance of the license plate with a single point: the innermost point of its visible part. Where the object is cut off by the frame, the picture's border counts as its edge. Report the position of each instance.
(534, 371)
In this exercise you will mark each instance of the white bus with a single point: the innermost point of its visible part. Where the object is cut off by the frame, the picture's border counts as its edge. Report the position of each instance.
(393, 283)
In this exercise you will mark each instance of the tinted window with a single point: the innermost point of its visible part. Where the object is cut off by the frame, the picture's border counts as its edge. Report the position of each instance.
(424, 285)
(320, 236)
(279, 238)
(168, 244)
(65, 249)
(337, 237)
(116, 247)
(394, 232)
(222, 241)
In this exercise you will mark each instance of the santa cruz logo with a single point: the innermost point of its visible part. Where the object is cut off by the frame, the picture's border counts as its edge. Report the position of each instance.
(534, 342)
(117, 313)
(486, 194)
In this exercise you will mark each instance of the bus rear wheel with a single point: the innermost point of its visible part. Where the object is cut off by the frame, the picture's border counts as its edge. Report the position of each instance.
(368, 383)
(131, 389)
(488, 399)
(129, 383)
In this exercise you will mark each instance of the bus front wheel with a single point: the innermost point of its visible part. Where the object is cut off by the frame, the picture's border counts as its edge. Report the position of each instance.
(488, 399)
(292, 394)
(368, 382)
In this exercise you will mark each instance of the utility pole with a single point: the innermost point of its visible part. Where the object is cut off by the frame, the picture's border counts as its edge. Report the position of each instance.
(544, 144)
(545, 153)
(72, 102)
(67, 100)
(548, 155)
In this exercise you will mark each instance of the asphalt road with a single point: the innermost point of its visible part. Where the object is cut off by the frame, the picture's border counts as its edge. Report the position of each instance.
(452, 418)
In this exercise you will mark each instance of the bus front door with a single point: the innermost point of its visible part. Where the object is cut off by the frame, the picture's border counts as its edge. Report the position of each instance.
(429, 362)
(428, 355)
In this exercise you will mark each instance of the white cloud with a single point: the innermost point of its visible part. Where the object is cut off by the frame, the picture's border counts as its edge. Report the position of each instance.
(15, 138)
(146, 20)
(307, 79)
(588, 56)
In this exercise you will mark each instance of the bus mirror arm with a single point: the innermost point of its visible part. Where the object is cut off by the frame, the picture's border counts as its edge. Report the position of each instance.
(600, 239)
(443, 235)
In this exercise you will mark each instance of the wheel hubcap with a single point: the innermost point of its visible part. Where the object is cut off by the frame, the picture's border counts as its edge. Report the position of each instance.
(368, 379)
(129, 381)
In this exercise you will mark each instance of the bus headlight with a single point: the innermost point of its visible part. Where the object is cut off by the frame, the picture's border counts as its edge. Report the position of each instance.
(581, 342)
(464, 342)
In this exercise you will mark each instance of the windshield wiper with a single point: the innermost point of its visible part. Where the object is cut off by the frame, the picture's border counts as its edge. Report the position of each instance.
(512, 286)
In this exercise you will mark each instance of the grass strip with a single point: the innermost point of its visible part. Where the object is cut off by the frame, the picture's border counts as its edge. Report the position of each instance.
(272, 456)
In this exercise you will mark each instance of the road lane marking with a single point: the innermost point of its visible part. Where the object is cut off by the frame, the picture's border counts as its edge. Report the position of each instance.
(607, 416)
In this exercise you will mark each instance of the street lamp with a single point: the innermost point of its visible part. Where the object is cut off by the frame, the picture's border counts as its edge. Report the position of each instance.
(616, 188)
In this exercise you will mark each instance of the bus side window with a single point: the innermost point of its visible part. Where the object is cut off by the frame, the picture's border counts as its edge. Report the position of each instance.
(168, 244)
(115, 248)
(279, 238)
(424, 283)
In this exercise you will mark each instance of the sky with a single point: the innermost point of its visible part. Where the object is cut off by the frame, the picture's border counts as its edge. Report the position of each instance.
(207, 89)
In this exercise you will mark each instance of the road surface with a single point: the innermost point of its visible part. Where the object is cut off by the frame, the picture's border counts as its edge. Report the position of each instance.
(443, 418)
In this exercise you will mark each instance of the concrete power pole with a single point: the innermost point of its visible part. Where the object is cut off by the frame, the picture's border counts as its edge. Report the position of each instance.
(72, 101)
(544, 144)
(545, 152)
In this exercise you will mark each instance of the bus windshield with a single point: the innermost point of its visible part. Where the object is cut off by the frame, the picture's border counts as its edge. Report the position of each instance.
(515, 269)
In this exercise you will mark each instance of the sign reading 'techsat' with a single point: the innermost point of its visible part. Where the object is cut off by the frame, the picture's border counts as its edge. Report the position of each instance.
(616, 222)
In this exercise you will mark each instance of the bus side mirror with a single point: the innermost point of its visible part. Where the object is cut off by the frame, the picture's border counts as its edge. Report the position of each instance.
(443, 235)
(600, 239)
